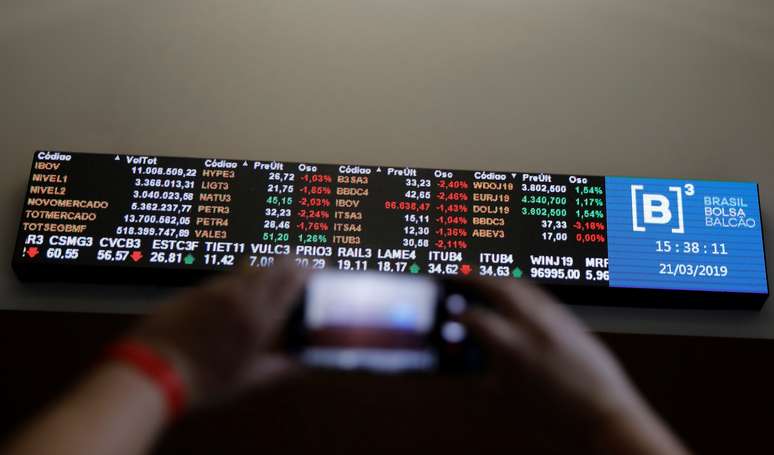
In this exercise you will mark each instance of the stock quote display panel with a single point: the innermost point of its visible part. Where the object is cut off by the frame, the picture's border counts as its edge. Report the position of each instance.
(591, 239)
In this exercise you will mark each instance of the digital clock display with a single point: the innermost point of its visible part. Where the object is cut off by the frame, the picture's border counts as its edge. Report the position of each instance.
(594, 239)
(676, 234)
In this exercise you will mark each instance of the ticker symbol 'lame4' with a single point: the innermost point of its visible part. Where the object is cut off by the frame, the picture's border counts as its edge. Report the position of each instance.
(627, 240)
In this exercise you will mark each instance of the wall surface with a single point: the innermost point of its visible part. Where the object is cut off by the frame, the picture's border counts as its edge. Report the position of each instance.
(661, 88)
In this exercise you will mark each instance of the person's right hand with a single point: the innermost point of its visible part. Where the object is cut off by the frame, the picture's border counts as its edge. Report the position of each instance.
(561, 375)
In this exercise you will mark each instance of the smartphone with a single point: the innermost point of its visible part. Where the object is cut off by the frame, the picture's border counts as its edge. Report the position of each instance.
(383, 323)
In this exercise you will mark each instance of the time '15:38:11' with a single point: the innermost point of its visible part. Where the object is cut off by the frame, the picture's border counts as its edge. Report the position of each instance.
(669, 246)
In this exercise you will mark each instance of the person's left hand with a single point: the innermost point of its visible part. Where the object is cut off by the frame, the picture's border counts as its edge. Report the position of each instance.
(223, 337)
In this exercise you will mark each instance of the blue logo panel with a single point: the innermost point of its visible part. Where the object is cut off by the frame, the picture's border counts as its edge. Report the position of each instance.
(685, 234)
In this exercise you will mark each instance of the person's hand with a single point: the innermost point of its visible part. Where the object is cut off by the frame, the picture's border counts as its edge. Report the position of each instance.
(560, 375)
(224, 336)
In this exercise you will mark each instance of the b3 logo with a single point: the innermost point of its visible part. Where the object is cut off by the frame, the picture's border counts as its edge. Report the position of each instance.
(657, 208)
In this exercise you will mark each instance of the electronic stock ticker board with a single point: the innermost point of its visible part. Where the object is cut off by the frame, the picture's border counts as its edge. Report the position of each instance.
(591, 239)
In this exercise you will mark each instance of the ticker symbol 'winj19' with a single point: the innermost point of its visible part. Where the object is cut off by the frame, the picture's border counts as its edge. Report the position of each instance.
(591, 239)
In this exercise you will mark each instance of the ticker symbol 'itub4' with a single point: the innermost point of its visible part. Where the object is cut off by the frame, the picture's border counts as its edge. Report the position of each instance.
(657, 209)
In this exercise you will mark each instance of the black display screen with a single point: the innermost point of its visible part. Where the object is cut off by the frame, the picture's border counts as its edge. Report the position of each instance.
(173, 220)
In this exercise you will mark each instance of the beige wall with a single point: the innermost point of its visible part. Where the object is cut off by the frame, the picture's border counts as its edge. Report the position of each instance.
(680, 88)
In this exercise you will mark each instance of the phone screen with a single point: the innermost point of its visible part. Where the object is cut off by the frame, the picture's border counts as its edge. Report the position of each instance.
(382, 323)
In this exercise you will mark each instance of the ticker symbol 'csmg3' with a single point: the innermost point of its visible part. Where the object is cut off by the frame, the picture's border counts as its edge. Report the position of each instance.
(665, 209)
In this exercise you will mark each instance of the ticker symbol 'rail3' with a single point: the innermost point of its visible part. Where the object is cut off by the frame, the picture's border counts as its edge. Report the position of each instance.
(593, 240)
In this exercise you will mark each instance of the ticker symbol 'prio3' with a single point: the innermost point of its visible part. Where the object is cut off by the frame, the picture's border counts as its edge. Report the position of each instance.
(659, 208)
(595, 240)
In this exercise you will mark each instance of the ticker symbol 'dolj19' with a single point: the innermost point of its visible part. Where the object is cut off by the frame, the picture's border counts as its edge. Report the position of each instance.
(659, 208)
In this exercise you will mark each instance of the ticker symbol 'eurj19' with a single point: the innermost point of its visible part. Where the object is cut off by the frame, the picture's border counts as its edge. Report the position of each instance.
(414, 268)
(31, 251)
(136, 255)
(189, 259)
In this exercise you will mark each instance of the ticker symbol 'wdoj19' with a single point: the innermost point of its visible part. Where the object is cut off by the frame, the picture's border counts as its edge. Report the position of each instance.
(659, 208)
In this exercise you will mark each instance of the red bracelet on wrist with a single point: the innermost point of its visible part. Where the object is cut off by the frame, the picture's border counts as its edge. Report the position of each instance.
(152, 365)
